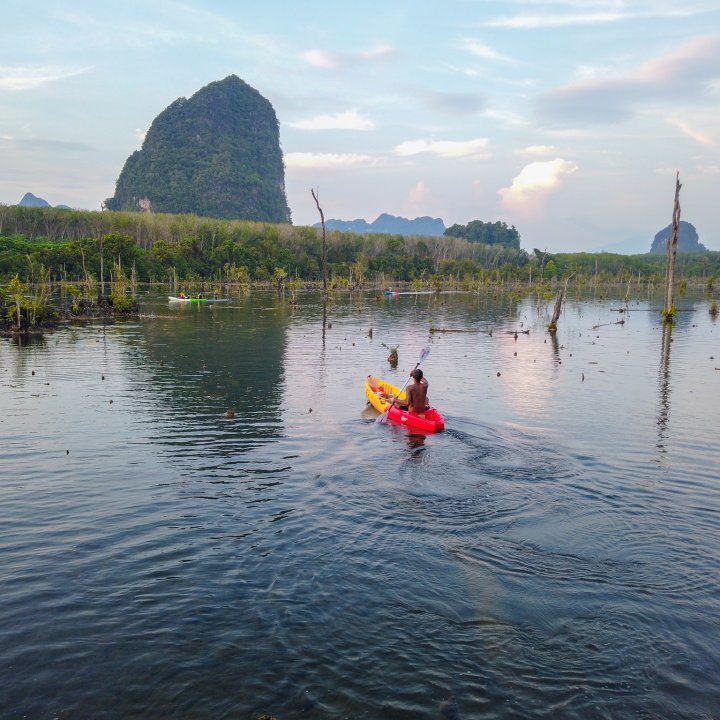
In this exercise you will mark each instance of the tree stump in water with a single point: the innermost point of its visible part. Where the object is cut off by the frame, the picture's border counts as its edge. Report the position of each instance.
(552, 327)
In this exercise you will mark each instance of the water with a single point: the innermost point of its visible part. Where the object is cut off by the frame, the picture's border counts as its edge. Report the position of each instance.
(555, 553)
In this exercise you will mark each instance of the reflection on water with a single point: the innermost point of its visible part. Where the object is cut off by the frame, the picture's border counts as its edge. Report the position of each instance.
(664, 386)
(161, 560)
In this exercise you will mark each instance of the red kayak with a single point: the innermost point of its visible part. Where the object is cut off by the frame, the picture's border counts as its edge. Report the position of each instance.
(378, 392)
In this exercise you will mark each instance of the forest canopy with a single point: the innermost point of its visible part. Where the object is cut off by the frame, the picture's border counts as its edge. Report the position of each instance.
(70, 244)
(497, 233)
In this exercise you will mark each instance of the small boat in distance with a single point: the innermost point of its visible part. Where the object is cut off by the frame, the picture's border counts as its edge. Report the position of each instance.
(392, 291)
(186, 299)
(378, 392)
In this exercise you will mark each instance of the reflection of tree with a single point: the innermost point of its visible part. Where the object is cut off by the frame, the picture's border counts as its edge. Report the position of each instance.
(664, 386)
(209, 360)
(324, 321)
(555, 347)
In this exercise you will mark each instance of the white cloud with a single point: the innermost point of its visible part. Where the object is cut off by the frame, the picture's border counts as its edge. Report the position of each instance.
(526, 22)
(418, 194)
(322, 59)
(350, 120)
(444, 148)
(590, 72)
(483, 51)
(300, 160)
(537, 150)
(28, 78)
(327, 60)
(534, 184)
(140, 134)
(506, 117)
(686, 72)
(692, 131)
(601, 17)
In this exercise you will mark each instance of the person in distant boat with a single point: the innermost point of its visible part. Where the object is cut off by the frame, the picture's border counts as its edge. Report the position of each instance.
(416, 393)
(181, 296)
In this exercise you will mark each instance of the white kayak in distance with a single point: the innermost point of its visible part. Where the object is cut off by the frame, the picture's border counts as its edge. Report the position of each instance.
(175, 298)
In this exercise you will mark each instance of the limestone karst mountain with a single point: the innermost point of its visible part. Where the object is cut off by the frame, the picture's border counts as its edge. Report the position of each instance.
(216, 154)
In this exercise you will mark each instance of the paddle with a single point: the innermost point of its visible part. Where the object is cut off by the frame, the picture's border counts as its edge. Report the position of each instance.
(382, 418)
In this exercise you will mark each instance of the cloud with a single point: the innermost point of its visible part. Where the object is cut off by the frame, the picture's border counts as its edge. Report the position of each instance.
(418, 200)
(683, 74)
(599, 17)
(28, 78)
(483, 51)
(692, 131)
(537, 150)
(506, 117)
(349, 120)
(322, 59)
(328, 60)
(534, 184)
(532, 22)
(418, 195)
(301, 160)
(444, 148)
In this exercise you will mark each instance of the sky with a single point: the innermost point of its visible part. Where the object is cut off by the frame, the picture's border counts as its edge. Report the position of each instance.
(568, 119)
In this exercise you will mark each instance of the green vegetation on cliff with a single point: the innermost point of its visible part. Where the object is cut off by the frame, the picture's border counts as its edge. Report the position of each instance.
(215, 155)
(497, 233)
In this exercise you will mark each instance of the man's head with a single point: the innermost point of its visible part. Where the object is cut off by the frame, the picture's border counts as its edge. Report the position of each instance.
(417, 374)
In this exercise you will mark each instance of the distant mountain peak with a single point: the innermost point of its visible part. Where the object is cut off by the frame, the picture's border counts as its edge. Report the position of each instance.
(390, 225)
(30, 200)
(688, 239)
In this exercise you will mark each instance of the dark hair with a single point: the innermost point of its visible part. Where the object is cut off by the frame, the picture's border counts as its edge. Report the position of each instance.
(417, 373)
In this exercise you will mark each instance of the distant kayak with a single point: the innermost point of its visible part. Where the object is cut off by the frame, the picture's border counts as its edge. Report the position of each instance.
(392, 292)
(377, 392)
(173, 298)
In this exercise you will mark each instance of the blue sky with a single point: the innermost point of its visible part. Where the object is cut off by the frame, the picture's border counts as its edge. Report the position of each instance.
(565, 118)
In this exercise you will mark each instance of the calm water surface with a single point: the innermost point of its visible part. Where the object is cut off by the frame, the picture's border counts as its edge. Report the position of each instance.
(555, 553)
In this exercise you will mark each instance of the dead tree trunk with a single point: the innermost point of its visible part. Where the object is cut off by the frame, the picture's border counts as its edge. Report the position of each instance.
(672, 242)
(324, 240)
(552, 327)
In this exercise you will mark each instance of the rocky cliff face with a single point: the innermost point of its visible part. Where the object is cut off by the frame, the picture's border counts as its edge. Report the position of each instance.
(217, 155)
(30, 200)
(688, 239)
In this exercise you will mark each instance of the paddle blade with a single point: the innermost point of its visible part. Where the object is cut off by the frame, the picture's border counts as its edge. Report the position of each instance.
(423, 354)
(381, 419)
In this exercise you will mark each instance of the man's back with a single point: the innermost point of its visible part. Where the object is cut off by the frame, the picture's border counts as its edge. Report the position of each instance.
(417, 396)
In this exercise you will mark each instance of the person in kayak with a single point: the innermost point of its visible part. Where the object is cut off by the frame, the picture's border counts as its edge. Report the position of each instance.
(416, 393)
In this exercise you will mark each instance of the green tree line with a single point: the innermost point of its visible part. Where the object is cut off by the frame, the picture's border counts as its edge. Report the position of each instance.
(72, 244)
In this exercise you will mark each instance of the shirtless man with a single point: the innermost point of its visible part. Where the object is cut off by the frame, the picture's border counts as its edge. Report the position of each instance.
(416, 393)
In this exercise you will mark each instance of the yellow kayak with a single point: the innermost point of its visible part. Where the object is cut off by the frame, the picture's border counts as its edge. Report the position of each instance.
(378, 392)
